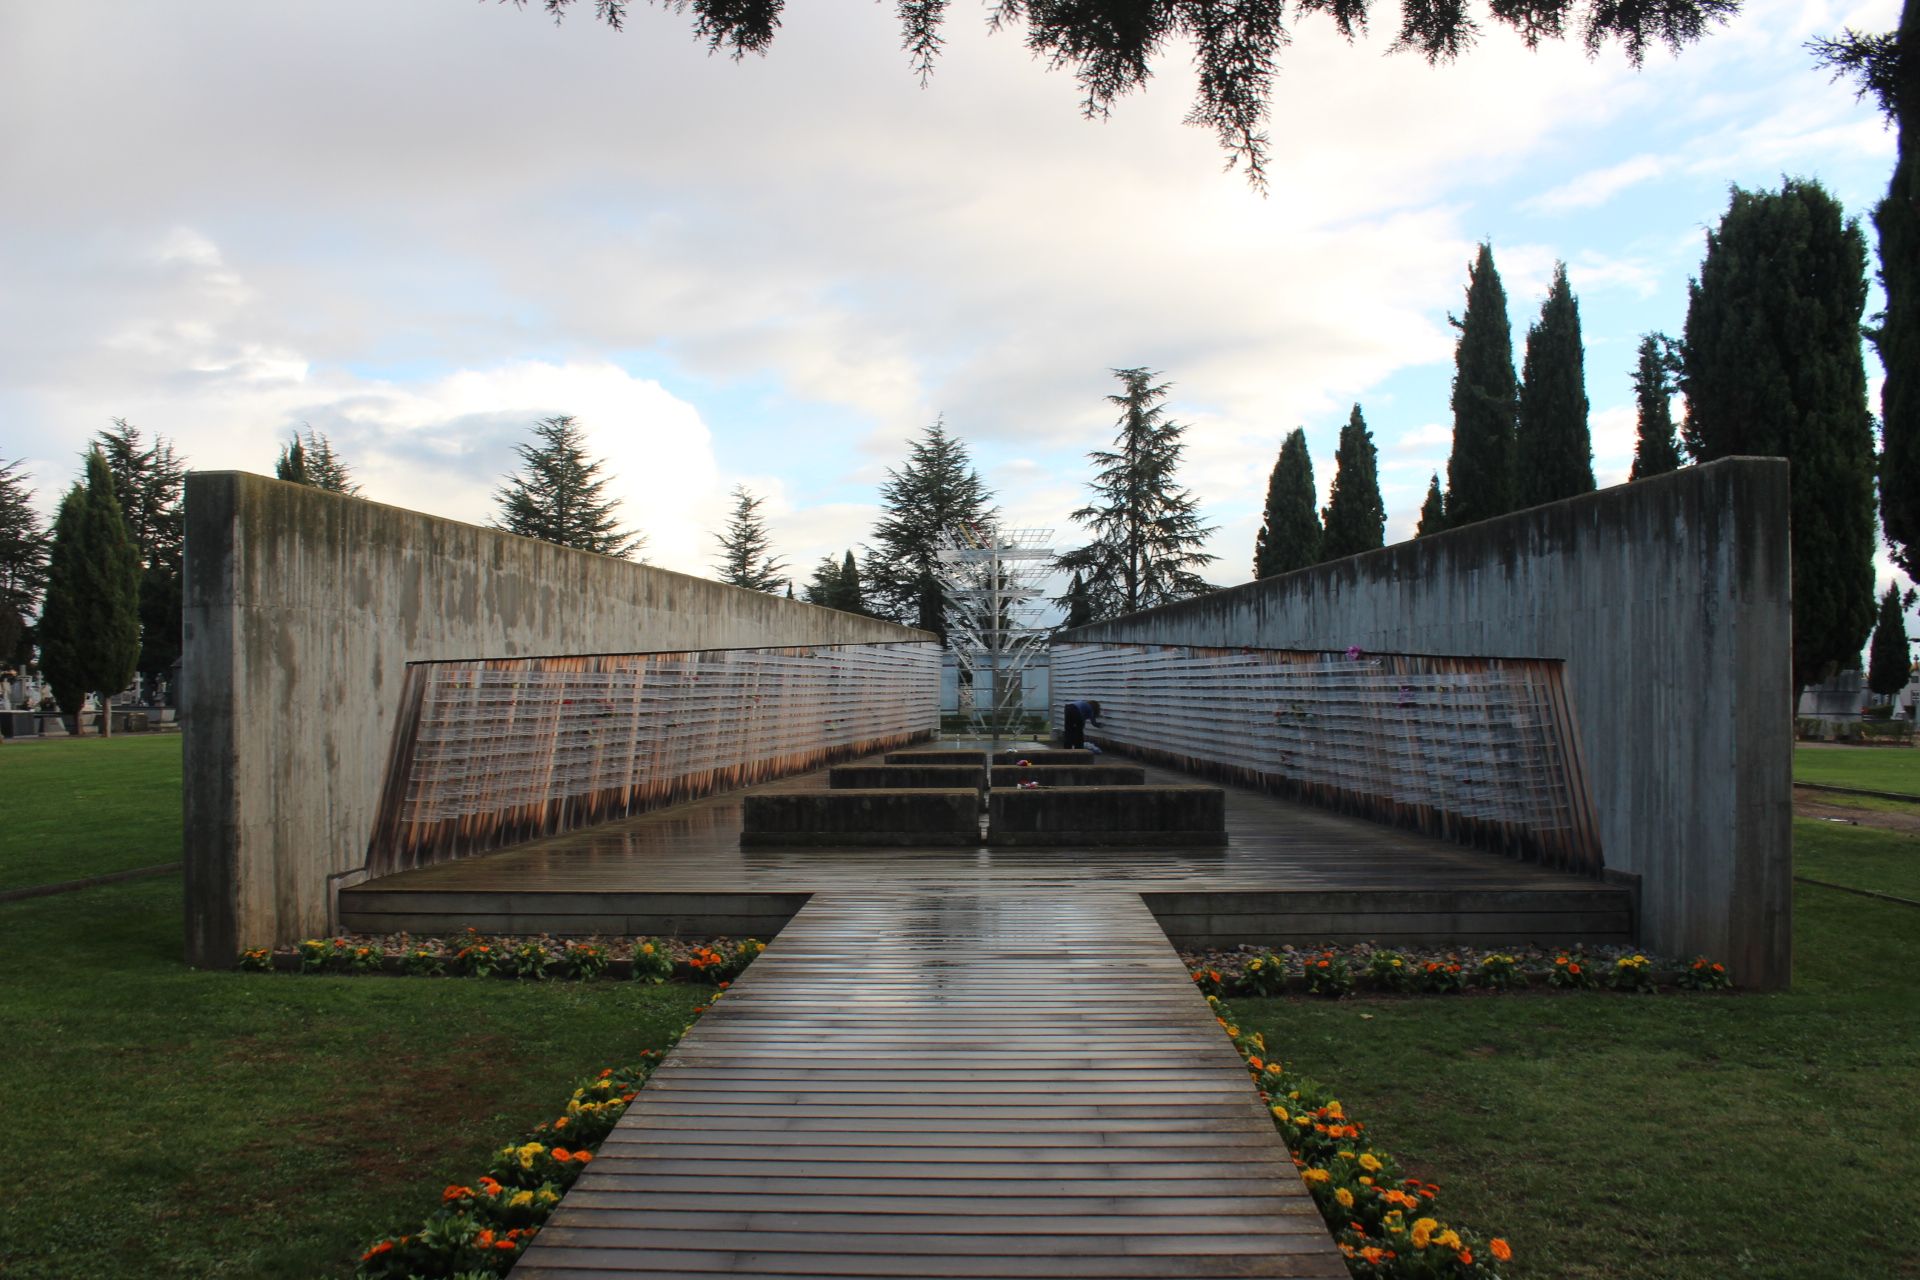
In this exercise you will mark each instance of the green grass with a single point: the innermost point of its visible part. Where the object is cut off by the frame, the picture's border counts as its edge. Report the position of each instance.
(1869, 768)
(1861, 857)
(1669, 1137)
(84, 806)
(167, 1122)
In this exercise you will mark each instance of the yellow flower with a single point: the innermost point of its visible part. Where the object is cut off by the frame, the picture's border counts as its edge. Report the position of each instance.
(1254, 965)
(1281, 1114)
(1345, 1197)
(1344, 1155)
(646, 948)
(1370, 1162)
(1315, 1177)
(520, 1200)
(1334, 1111)
(1423, 1232)
(1449, 1239)
(527, 1153)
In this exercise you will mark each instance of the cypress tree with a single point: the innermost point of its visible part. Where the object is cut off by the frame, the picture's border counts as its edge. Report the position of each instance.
(1433, 512)
(1772, 366)
(1146, 530)
(89, 629)
(1356, 519)
(313, 462)
(935, 488)
(150, 481)
(1898, 220)
(747, 558)
(1480, 469)
(559, 494)
(850, 597)
(1079, 608)
(1888, 658)
(1656, 450)
(1290, 533)
(1552, 447)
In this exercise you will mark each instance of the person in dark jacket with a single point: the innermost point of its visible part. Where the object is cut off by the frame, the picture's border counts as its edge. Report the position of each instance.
(1079, 715)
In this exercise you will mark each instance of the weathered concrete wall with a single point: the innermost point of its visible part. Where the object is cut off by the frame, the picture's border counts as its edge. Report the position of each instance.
(1669, 600)
(303, 609)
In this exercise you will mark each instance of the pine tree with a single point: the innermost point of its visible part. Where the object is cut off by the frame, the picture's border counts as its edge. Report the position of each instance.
(1433, 512)
(1079, 609)
(1146, 535)
(149, 481)
(824, 590)
(1356, 519)
(313, 462)
(23, 562)
(747, 558)
(1898, 338)
(1772, 366)
(935, 488)
(558, 494)
(1552, 447)
(1888, 658)
(89, 630)
(1290, 533)
(1480, 469)
(1657, 450)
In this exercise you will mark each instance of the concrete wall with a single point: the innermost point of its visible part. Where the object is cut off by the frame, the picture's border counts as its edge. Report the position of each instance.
(303, 609)
(1669, 600)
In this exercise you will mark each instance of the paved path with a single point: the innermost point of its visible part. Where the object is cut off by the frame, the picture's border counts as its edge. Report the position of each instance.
(948, 1080)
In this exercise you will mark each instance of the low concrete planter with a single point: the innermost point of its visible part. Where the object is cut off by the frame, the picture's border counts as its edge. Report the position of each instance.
(1167, 816)
(915, 776)
(1048, 755)
(1070, 775)
(835, 818)
(937, 757)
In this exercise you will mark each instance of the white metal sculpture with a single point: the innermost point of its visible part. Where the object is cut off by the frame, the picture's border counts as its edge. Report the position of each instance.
(993, 580)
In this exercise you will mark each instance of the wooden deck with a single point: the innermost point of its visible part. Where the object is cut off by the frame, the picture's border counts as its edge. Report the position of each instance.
(947, 1082)
(1290, 873)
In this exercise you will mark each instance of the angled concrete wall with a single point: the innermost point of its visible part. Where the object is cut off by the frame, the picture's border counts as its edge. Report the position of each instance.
(303, 609)
(1669, 601)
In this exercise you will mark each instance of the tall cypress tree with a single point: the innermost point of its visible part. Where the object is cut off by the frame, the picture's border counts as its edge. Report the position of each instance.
(1898, 220)
(559, 494)
(1772, 366)
(1889, 659)
(1356, 519)
(936, 488)
(1656, 450)
(1146, 528)
(1290, 532)
(89, 630)
(1433, 512)
(150, 483)
(1480, 469)
(312, 461)
(1552, 447)
(851, 598)
(746, 548)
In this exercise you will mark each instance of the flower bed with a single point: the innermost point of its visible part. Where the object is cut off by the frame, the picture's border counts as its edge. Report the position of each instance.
(471, 954)
(1386, 1225)
(482, 1228)
(1339, 971)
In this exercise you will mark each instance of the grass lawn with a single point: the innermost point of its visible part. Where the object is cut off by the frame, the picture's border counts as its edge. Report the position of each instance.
(1861, 857)
(1869, 768)
(83, 806)
(176, 1123)
(1671, 1137)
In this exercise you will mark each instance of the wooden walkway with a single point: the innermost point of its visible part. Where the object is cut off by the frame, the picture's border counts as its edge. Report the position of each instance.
(954, 1081)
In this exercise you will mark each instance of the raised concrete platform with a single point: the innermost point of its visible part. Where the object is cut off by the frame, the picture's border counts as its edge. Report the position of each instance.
(1289, 873)
(836, 818)
(1070, 775)
(1074, 817)
(1049, 755)
(913, 776)
(937, 757)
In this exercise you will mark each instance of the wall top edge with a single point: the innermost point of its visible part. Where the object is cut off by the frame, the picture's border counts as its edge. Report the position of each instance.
(242, 488)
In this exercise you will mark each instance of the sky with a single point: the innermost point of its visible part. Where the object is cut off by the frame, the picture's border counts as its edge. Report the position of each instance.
(420, 228)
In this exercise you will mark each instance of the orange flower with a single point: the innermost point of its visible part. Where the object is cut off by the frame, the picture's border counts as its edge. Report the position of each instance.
(1573, 968)
(1466, 1257)
(561, 1155)
(485, 1238)
(508, 1245)
(385, 1246)
(583, 1157)
(455, 1192)
(490, 1186)
(1500, 1249)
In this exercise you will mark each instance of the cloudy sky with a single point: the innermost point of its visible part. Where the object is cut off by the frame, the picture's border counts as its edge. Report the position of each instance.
(420, 227)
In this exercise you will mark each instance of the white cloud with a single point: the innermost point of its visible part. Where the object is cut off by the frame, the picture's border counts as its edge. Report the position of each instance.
(1597, 186)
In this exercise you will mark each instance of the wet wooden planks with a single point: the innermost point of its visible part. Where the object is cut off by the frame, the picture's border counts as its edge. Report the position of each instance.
(961, 1081)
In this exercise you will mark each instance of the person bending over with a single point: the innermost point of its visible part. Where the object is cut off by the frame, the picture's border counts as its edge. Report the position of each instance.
(1079, 715)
